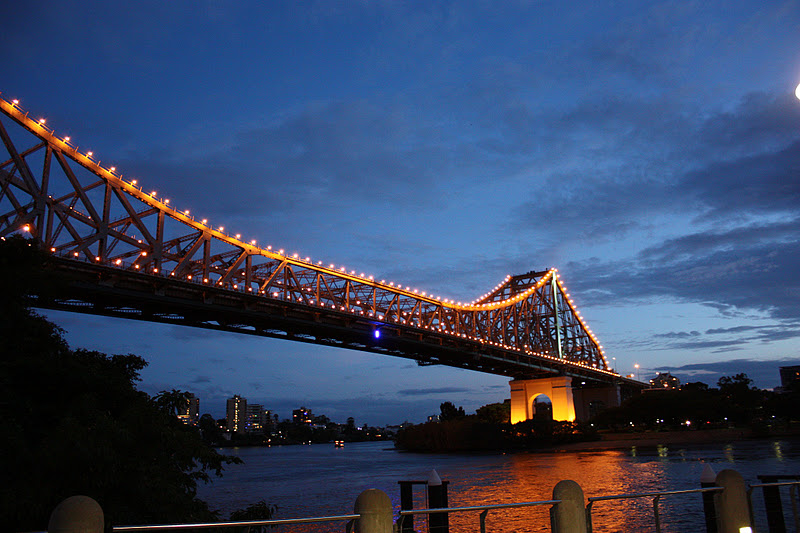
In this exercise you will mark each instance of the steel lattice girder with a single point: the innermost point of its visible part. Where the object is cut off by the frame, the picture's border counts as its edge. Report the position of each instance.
(86, 214)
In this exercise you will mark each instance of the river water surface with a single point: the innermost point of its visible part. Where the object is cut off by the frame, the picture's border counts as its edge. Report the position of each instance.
(321, 480)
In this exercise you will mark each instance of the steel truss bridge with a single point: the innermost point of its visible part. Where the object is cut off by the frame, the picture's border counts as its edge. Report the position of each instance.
(129, 253)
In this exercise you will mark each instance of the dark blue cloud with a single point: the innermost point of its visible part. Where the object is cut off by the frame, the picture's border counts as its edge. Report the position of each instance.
(765, 374)
(426, 392)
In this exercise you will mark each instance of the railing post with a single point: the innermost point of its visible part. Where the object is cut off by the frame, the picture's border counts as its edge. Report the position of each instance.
(773, 505)
(437, 499)
(656, 516)
(407, 504)
(708, 480)
(375, 509)
(569, 515)
(77, 514)
(733, 511)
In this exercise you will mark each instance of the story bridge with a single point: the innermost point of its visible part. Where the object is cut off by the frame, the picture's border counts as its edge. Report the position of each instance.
(129, 253)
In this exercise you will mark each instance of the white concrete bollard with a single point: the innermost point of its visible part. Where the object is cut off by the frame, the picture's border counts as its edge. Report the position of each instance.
(77, 514)
(569, 516)
(375, 509)
(733, 510)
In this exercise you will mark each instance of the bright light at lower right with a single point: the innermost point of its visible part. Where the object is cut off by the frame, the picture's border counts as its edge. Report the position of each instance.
(797, 91)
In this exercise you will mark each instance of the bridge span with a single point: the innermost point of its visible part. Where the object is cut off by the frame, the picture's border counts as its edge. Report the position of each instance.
(126, 252)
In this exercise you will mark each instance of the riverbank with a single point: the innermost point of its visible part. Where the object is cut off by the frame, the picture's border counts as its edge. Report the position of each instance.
(652, 439)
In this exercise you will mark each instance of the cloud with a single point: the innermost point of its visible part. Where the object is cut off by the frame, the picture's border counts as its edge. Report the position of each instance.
(763, 373)
(735, 329)
(717, 346)
(677, 335)
(425, 392)
(752, 267)
(655, 161)
(762, 184)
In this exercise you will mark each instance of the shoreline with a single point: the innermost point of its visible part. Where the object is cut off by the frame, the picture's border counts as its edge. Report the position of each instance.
(618, 441)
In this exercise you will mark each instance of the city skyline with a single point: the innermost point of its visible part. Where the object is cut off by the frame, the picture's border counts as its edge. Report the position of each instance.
(649, 151)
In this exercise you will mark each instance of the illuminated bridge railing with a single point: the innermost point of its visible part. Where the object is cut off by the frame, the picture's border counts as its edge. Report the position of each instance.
(83, 211)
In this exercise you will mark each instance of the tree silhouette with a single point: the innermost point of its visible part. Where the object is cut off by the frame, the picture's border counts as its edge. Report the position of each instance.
(449, 411)
(76, 423)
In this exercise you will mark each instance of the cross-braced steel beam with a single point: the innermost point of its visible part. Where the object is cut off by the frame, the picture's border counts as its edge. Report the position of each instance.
(129, 253)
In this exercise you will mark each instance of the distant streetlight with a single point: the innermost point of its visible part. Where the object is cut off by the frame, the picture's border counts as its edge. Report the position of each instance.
(636, 366)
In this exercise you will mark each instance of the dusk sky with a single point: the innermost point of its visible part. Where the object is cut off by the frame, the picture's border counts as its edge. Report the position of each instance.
(648, 150)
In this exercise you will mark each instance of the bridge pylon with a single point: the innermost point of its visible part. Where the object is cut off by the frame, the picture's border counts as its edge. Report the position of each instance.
(571, 400)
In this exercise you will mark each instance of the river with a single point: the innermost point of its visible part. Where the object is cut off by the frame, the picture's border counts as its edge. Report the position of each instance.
(321, 480)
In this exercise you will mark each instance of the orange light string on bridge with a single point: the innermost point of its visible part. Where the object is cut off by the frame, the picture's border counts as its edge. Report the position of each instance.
(475, 305)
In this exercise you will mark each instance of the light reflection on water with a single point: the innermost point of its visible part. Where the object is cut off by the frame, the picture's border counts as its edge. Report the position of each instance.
(321, 480)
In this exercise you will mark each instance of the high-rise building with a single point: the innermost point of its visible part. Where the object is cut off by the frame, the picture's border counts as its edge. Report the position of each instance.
(665, 380)
(259, 420)
(236, 414)
(302, 416)
(190, 414)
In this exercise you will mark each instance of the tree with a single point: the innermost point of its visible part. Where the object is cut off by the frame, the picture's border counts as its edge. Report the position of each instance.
(321, 420)
(697, 386)
(739, 384)
(449, 411)
(498, 413)
(76, 423)
(209, 429)
(173, 402)
(742, 397)
(260, 510)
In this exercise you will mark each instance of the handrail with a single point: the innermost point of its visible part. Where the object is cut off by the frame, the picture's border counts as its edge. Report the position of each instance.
(246, 523)
(658, 493)
(793, 486)
(483, 515)
(477, 507)
(776, 484)
(655, 495)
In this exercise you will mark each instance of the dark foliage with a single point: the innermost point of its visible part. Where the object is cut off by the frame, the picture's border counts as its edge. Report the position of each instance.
(260, 510)
(76, 424)
(735, 403)
(498, 413)
(461, 435)
(489, 429)
(450, 412)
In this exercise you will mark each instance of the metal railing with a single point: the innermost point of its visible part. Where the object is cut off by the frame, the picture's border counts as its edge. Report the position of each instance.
(374, 511)
(484, 508)
(656, 498)
(793, 496)
(247, 523)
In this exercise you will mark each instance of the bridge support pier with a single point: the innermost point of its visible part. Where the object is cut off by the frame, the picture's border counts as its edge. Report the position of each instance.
(525, 391)
(569, 404)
